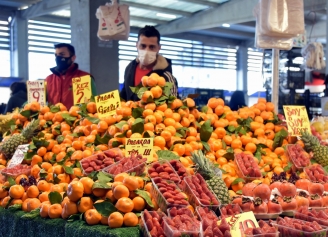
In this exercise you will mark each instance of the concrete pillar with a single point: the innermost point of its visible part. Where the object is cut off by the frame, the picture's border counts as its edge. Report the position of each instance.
(97, 57)
(242, 57)
(19, 52)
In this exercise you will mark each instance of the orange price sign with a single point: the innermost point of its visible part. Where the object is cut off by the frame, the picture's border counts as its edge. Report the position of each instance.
(36, 91)
(297, 120)
(82, 89)
(142, 146)
(239, 223)
(107, 103)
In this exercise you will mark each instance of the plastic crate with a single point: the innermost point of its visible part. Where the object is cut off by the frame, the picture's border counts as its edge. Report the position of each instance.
(306, 175)
(169, 165)
(291, 158)
(138, 170)
(143, 226)
(240, 211)
(241, 174)
(285, 231)
(169, 232)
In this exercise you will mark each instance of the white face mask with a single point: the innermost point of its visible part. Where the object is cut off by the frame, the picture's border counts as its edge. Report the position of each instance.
(146, 57)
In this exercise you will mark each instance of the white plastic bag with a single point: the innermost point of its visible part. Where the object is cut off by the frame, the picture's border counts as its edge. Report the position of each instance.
(114, 21)
(313, 54)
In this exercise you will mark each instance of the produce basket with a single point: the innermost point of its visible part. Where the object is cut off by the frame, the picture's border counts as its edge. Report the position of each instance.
(233, 205)
(301, 216)
(162, 202)
(193, 199)
(143, 226)
(168, 174)
(17, 170)
(264, 235)
(266, 216)
(243, 176)
(120, 167)
(186, 211)
(285, 231)
(312, 178)
(199, 215)
(292, 159)
(169, 232)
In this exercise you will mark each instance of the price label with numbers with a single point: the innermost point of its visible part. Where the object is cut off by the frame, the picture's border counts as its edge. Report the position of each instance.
(18, 156)
(82, 91)
(297, 120)
(140, 146)
(239, 223)
(36, 91)
(107, 103)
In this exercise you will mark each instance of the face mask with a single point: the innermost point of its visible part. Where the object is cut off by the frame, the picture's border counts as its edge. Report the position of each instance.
(63, 63)
(146, 57)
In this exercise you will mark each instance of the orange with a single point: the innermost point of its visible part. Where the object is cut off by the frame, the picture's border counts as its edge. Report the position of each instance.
(152, 80)
(250, 147)
(75, 191)
(32, 191)
(148, 186)
(131, 183)
(124, 204)
(92, 217)
(5, 201)
(35, 106)
(87, 184)
(91, 107)
(54, 211)
(139, 204)
(147, 95)
(213, 103)
(3, 192)
(32, 204)
(43, 197)
(69, 208)
(160, 142)
(166, 135)
(56, 188)
(130, 219)
(220, 131)
(269, 106)
(109, 195)
(36, 159)
(115, 220)
(16, 191)
(156, 91)
(161, 81)
(120, 177)
(189, 102)
(19, 177)
(44, 209)
(99, 192)
(179, 148)
(42, 151)
(121, 191)
(85, 204)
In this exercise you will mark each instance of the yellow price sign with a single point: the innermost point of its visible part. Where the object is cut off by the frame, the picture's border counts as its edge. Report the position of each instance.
(140, 146)
(240, 222)
(82, 91)
(107, 103)
(297, 120)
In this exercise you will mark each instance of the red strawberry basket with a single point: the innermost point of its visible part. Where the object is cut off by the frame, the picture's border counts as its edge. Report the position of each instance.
(164, 170)
(17, 170)
(299, 160)
(144, 224)
(192, 227)
(247, 167)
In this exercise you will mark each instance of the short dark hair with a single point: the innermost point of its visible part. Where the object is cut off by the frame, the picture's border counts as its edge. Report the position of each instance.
(149, 31)
(70, 48)
(18, 86)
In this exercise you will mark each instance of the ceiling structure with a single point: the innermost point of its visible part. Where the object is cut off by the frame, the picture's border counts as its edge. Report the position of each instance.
(226, 19)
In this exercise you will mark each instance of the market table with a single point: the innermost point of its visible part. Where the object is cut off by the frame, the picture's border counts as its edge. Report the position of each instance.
(14, 225)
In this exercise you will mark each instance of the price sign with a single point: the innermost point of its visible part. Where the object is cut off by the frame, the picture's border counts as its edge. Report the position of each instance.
(239, 223)
(36, 91)
(82, 91)
(142, 146)
(297, 120)
(107, 103)
(18, 156)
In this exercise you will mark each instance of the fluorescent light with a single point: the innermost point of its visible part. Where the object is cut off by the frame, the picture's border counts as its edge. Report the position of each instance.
(166, 15)
(23, 7)
(226, 25)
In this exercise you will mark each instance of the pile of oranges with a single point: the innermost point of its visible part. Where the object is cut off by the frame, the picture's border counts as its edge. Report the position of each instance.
(73, 134)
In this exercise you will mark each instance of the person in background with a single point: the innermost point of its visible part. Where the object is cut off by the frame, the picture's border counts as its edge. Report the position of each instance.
(59, 83)
(148, 61)
(18, 96)
(237, 100)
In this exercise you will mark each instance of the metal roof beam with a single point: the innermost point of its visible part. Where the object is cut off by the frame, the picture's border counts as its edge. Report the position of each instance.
(147, 19)
(318, 30)
(45, 7)
(201, 2)
(157, 9)
(232, 12)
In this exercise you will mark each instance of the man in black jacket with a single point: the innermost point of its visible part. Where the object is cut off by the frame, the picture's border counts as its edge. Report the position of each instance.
(147, 62)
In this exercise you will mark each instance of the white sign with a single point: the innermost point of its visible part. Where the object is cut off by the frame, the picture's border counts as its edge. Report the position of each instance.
(18, 156)
(324, 106)
(36, 91)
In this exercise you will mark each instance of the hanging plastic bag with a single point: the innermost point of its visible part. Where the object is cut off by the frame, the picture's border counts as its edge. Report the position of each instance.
(114, 21)
(313, 54)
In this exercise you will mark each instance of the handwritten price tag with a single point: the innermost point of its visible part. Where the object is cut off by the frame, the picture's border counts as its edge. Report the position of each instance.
(82, 89)
(108, 103)
(18, 156)
(297, 120)
(142, 146)
(36, 91)
(239, 223)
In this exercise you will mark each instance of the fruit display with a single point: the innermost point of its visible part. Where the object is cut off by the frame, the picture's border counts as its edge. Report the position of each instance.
(316, 173)
(167, 194)
(198, 192)
(179, 168)
(174, 211)
(265, 229)
(229, 210)
(163, 170)
(298, 156)
(247, 166)
(320, 152)
(306, 214)
(16, 171)
(133, 164)
(294, 227)
(181, 225)
(152, 223)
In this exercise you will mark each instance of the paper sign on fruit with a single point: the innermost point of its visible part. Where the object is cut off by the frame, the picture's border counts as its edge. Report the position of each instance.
(108, 103)
(240, 222)
(18, 156)
(36, 91)
(140, 146)
(297, 120)
(82, 89)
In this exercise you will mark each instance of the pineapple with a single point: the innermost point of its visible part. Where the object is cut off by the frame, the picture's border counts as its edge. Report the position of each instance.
(9, 146)
(312, 143)
(207, 169)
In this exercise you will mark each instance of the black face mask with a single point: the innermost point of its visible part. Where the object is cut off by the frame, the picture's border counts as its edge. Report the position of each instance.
(63, 63)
